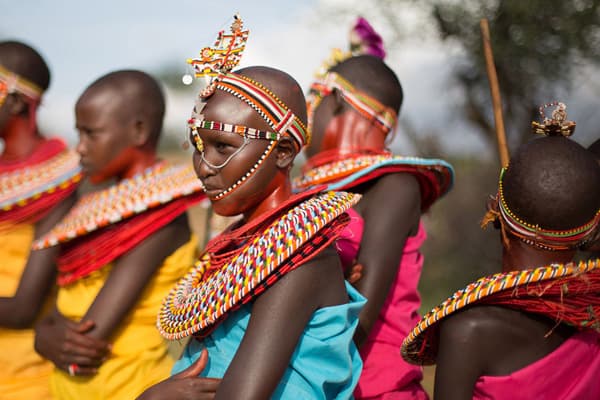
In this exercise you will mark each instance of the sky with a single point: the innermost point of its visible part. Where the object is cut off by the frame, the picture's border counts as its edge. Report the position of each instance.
(82, 40)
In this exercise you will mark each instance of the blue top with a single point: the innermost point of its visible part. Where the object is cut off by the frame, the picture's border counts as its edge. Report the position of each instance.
(325, 364)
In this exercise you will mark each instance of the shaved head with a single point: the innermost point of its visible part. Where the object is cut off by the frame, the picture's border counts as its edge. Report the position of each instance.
(138, 95)
(553, 182)
(282, 85)
(371, 75)
(24, 61)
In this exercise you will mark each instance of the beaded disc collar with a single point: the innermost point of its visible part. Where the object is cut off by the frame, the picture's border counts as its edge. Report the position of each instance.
(435, 176)
(156, 186)
(24, 185)
(550, 289)
(205, 295)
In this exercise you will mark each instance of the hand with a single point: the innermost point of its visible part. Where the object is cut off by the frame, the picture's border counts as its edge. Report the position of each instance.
(354, 273)
(186, 384)
(66, 344)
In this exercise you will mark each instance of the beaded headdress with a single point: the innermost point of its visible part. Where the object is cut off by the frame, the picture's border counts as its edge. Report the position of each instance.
(534, 234)
(363, 40)
(13, 83)
(215, 64)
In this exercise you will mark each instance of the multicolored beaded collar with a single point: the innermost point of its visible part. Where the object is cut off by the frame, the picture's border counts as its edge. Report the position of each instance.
(13, 83)
(367, 106)
(548, 239)
(435, 176)
(565, 293)
(154, 187)
(206, 295)
(30, 188)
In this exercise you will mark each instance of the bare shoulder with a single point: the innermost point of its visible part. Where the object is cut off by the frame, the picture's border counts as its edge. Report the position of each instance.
(402, 188)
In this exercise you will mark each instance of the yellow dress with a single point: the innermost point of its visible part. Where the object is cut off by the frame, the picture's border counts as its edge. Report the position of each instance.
(139, 356)
(23, 374)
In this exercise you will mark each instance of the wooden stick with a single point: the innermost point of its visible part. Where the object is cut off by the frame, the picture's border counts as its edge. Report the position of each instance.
(494, 89)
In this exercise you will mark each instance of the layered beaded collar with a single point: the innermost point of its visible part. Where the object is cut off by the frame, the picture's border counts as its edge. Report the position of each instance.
(216, 287)
(152, 188)
(566, 293)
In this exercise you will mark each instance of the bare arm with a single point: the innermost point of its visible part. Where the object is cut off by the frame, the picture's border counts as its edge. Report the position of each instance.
(37, 280)
(464, 345)
(130, 275)
(85, 343)
(391, 210)
(278, 319)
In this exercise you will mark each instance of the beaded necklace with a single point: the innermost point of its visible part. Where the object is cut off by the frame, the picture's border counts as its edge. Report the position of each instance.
(209, 292)
(435, 176)
(29, 188)
(152, 188)
(566, 293)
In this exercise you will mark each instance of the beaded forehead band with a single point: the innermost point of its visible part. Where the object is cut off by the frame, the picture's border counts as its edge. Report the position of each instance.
(13, 83)
(366, 105)
(548, 239)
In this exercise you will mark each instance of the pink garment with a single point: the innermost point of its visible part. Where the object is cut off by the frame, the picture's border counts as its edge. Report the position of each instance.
(385, 374)
(571, 372)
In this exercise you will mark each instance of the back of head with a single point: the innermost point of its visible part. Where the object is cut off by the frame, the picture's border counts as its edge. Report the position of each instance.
(595, 148)
(372, 76)
(553, 182)
(139, 96)
(26, 62)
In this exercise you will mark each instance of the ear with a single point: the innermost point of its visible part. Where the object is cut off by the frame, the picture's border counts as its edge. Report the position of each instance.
(141, 132)
(285, 152)
(338, 101)
(16, 104)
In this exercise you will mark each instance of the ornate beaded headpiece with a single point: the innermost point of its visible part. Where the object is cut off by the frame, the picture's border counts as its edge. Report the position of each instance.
(216, 64)
(13, 83)
(533, 234)
(370, 108)
(557, 124)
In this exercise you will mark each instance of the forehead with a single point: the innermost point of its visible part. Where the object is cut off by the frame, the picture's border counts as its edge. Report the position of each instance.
(100, 103)
(226, 108)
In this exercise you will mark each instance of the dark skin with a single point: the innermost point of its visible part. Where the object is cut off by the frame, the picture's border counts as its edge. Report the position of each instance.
(492, 340)
(114, 142)
(337, 126)
(21, 138)
(287, 306)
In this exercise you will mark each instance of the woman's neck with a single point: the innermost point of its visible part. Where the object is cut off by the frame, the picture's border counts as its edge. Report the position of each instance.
(20, 139)
(519, 256)
(275, 199)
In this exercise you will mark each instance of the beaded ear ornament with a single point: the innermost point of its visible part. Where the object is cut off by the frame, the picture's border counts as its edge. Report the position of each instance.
(557, 124)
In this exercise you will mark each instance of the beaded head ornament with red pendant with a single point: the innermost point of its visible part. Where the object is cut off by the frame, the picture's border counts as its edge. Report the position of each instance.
(215, 65)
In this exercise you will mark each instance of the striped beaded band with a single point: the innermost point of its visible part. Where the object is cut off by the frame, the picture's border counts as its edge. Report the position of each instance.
(420, 345)
(14, 83)
(543, 238)
(366, 105)
(266, 104)
(241, 130)
(205, 295)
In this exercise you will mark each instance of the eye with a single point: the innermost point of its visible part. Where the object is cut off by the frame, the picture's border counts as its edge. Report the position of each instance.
(222, 147)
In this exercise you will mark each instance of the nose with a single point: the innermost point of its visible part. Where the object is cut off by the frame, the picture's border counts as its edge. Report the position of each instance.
(81, 147)
(203, 170)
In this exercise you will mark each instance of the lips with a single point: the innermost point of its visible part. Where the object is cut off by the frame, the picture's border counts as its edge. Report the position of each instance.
(212, 191)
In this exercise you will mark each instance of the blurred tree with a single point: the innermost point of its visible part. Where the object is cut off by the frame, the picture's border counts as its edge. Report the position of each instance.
(539, 46)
